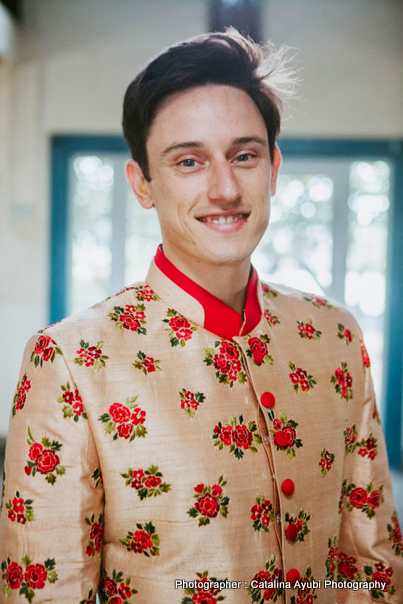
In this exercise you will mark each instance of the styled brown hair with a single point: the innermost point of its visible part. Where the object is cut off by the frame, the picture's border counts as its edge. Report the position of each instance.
(227, 58)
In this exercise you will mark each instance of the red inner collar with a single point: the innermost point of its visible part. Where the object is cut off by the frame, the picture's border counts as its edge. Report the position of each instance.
(219, 318)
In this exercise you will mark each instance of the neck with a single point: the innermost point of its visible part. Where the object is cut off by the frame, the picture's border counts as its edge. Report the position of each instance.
(228, 283)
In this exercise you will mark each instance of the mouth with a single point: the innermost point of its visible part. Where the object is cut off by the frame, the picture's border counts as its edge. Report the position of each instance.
(223, 219)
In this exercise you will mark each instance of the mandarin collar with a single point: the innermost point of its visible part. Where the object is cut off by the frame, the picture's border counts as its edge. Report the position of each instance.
(200, 306)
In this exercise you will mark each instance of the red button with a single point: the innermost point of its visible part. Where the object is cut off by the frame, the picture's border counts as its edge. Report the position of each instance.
(288, 487)
(291, 532)
(267, 399)
(293, 576)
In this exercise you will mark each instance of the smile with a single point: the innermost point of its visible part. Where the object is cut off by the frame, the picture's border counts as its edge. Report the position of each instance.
(223, 219)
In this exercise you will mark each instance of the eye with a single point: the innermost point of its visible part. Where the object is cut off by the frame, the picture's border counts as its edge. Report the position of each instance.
(187, 163)
(244, 157)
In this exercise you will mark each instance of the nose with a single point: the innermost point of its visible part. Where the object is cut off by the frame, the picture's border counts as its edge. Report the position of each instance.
(222, 183)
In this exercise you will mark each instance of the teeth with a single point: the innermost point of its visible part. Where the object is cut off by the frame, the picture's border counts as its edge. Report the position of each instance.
(223, 219)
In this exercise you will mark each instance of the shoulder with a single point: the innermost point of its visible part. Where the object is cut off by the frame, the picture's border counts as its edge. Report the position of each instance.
(297, 304)
(94, 324)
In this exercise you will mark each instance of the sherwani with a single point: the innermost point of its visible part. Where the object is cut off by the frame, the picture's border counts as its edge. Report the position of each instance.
(158, 437)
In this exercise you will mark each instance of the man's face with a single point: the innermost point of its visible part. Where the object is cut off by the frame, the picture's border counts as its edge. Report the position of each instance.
(211, 175)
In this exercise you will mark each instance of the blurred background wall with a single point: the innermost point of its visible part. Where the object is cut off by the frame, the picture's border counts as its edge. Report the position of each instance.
(64, 68)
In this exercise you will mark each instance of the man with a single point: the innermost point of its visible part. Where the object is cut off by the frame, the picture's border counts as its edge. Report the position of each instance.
(200, 437)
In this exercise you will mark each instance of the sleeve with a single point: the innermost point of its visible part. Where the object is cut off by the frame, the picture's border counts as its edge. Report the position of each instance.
(51, 519)
(370, 542)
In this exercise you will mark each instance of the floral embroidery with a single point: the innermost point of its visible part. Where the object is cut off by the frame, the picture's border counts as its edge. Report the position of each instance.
(190, 401)
(94, 544)
(146, 294)
(343, 382)
(345, 334)
(74, 403)
(27, 580)
(284, 431)
(305, 595)
(365, 356)
(125, 421)
(45, 350)
(130, 317)
(367, 500)
(209, 502)
(270, 318)
(179, 328)
(143, 541)
(350, 439)
(381, 574)
(20, 396)
(147, 483)
(20, 510)
(300, 378)
(237, 436)
(268, 292)
(346, 568)
(297, 527)
(262, 513)
(367, 447)
(395, 535)
(308, 331)
(97, 477)
(202, 595)
(317, 301)
(115, 589)
(228, 363)
(43, 458)
(259, 351)
(146, 364)
(325, 462)
(91, 356)
(270, 574)
(331, 560)
(90, 599)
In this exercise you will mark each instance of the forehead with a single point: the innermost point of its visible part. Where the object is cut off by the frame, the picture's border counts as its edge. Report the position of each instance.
(208, 114)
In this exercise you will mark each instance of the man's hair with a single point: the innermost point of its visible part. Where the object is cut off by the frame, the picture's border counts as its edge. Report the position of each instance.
(227, 58)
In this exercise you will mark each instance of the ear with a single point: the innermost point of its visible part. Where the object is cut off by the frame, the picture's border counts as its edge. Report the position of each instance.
(139, 184)
(275, 167)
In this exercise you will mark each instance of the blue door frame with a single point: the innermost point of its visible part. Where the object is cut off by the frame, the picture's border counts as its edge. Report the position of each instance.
(63, 147)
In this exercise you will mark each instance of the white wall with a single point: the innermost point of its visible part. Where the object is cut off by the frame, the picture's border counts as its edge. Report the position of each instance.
(72, 64)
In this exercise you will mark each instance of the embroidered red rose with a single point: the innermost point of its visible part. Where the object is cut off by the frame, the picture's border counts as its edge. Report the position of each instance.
(381, 577)
(203, 598)
(229, 350)
(149, 364)
(216, 490)
(226, 435)
(42, 344)
(119, 413)
(207, 505)
(96, 534)
(365, 356)
(14, 575)
(35, 576)
(130, 322)
(242, 437)
(47, 461)
(152, 481)
(358, 497)
(259, 349)
(346, 566)
(115, 600)
(222, 364)
(18, 504)
(199, 488)
(35, 450)
(374, 499)
(141, 541)
(177, 323)
(110, 586)
(281, 439)
(125, 430)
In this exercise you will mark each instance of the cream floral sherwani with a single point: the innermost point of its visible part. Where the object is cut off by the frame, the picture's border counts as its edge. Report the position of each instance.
(150, 441)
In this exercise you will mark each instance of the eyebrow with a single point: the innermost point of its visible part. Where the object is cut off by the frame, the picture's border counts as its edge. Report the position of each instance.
(198, 145)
